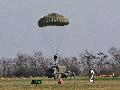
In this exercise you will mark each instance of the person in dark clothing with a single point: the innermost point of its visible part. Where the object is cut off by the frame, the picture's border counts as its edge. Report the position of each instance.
(55, 57)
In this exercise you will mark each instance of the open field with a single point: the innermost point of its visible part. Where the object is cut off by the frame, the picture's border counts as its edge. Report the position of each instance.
(51, 84)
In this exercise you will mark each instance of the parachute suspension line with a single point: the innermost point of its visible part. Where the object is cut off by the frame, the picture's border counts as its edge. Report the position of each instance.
(58, 46)
(60, 43)
(49, 42)
(62, 34)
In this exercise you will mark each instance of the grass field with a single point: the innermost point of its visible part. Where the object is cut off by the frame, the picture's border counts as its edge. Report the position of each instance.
(51, 84)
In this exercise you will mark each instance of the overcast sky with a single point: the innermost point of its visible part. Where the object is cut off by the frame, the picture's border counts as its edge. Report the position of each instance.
(94, 25)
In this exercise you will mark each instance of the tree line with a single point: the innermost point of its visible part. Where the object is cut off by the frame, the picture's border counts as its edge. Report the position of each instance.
(36, 65)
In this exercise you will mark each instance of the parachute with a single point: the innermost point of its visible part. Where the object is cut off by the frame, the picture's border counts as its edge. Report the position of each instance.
(53, 35)
(53, 19)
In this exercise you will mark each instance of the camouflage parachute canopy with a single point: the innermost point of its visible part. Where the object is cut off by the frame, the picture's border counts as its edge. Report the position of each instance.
(53, 19)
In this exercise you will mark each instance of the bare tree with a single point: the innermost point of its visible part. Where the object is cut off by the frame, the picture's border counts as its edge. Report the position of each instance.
(115, 54)
(101, 62)
(87, 59)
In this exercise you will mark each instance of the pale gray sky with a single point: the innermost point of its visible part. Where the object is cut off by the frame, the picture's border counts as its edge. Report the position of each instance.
(94, 25)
